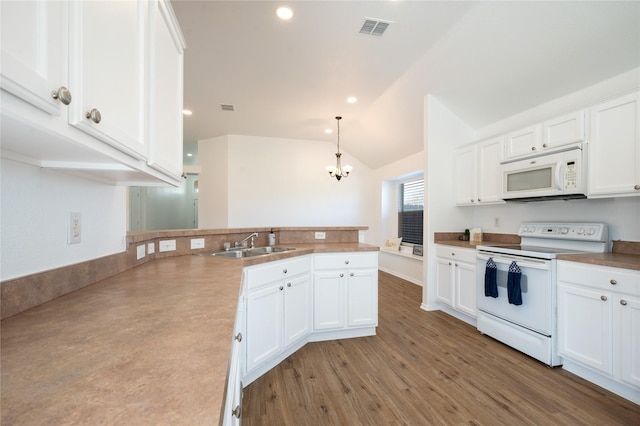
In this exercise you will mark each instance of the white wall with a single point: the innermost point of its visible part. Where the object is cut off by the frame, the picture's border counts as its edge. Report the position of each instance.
(213, 195)
(34, 219)
(282, 182)
(385, 221)
(443, 133)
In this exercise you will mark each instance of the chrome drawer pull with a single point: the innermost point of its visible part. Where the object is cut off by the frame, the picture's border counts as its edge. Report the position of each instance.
(613, 282)
(623, 302)
(603, 298)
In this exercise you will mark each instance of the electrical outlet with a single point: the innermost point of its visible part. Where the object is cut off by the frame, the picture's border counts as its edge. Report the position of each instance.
(320, 236)
(151, 248)
(197, 243)
(496, 222)
(167, 245)
(140, 252)
(75, 228)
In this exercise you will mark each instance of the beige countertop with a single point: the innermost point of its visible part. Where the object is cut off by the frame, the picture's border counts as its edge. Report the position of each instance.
(616, 260)
(147, 346)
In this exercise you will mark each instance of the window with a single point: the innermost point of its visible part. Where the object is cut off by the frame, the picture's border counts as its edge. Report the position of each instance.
(410, 211)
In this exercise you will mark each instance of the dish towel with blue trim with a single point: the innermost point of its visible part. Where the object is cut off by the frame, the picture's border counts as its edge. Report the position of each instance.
(490, 280)
(513, 284)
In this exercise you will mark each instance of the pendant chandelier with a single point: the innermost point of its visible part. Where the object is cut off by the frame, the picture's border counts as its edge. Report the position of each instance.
(338, 171)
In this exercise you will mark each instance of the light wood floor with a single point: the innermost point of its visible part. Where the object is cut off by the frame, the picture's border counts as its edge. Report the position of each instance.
(424, 368)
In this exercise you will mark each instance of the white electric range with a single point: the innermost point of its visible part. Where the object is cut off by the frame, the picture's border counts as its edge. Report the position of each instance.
(530, 326)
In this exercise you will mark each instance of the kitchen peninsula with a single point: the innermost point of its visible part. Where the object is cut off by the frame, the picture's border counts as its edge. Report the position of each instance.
(147, 345)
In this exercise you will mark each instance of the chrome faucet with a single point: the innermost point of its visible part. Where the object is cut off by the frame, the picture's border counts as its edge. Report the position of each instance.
(242, 243)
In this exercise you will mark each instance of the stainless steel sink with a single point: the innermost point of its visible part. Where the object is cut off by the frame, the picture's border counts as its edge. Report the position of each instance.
(248, 252)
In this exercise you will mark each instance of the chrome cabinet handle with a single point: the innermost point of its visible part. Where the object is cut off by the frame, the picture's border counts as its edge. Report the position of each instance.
(237, 412)
(603, 298)
(449, 263)
(346, 262)
(62, 94)
(544, 145)
(456, 264)
(623, 302)
(238, 337)
(284, 271)
(613, 282)
(533, 148)
(281, 288)
(351, 274)
(341, 275)
(94, 115)
(288, 284)
(471, 200)
(636, 187)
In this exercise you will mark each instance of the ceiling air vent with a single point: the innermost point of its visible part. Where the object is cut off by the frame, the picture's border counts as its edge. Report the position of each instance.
(374, 27)
(227, 107)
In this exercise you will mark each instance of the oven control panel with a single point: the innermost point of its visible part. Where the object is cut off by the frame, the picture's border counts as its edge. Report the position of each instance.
(566, 231)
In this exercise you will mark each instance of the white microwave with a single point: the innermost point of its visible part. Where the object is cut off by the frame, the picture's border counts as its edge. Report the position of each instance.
(550, 176)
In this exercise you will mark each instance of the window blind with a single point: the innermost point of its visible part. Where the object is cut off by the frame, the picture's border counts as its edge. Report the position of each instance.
(411, 211)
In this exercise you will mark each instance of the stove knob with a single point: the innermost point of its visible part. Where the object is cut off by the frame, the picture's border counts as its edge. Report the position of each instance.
(591, 231)
(564, 230)
(580, 231)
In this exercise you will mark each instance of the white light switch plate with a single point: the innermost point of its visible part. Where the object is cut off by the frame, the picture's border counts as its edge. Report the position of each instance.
(320, 236)
(151, 248)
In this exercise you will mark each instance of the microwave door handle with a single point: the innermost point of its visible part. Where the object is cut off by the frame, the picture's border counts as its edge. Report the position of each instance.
(558, 174)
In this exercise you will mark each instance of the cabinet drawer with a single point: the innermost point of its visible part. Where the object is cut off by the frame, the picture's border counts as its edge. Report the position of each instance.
(456, 253)
(258, 275)
(600, 277)
(346, 260)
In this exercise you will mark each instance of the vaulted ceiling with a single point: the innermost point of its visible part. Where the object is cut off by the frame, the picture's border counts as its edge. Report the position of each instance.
(484, 60)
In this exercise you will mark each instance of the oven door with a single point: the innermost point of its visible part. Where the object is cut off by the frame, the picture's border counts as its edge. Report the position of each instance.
(536, 284)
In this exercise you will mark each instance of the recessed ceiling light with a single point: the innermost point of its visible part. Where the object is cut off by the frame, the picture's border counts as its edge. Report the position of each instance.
(352, 100)
(187, 112)
(284, 13)
(328, 131)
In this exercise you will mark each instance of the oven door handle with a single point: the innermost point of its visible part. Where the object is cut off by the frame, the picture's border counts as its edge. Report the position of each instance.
(505, 259)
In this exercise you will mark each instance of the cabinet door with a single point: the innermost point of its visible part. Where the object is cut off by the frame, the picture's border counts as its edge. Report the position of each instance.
(585, 330)
(614, 150)
(444, 281)
(465, 176)
(164, 104)
(362, 298)
(465, 288)
(107, 71)
(264, 324)
(564, 130)
(297, 309)
(629, 340)
(328, 300)
(523, 142)
(489, 174)
(33, 60)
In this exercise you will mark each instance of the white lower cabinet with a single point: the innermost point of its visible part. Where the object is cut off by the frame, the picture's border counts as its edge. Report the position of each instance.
(456, 278)
(599, 325)
(278, 313)
(232, 412)
(345, 291)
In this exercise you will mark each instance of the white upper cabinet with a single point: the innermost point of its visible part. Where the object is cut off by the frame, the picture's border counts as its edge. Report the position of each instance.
(165, 91)
(489, 174)
(81, 84)
(477, 173)
(564, 130)
(465, 175)
(614, 148)
(33, 52)
(523, 142)
(547, 136)
(107, 72)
